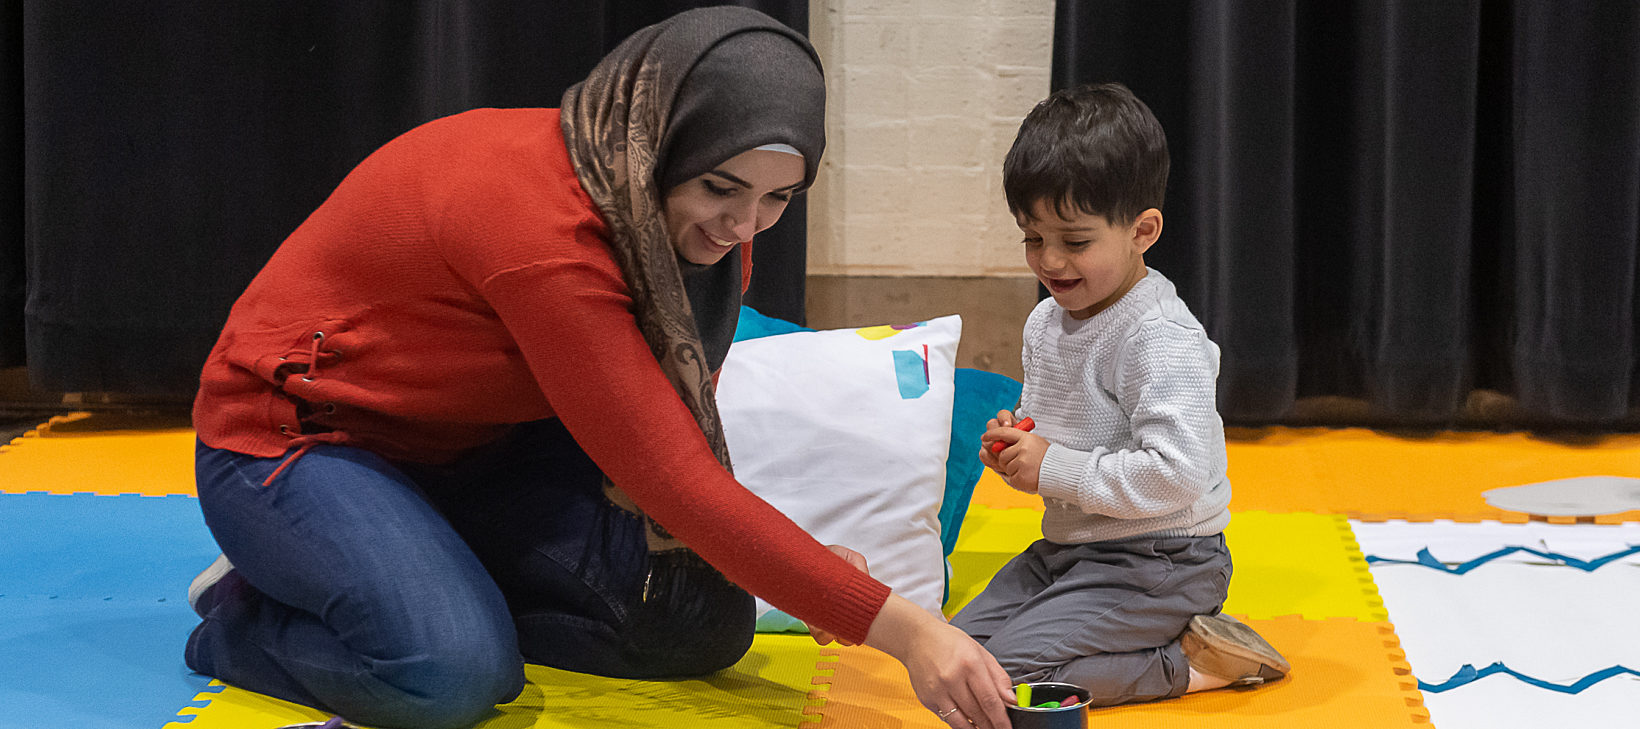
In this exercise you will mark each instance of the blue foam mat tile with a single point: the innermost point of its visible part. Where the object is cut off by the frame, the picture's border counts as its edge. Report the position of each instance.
(85, 546)
(94, 664)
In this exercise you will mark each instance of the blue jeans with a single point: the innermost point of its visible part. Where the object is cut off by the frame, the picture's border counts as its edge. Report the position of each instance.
(404, 595)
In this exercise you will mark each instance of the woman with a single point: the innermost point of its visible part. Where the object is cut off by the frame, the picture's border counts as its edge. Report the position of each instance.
(463, 418)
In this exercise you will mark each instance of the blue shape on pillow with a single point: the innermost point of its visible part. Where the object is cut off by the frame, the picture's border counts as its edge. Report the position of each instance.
(911, 374)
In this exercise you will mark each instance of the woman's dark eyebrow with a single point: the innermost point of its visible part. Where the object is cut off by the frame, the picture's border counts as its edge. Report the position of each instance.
(745, 184)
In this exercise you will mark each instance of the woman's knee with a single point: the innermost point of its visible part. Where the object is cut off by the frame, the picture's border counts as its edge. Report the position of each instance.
(695, 623)
(453, 685)
(649, 647)
(702, 652)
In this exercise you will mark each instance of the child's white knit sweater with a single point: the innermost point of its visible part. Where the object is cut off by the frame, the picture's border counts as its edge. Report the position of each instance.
(1127, 398)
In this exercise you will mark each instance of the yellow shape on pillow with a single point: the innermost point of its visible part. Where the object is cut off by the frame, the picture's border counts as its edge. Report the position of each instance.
(882, 331)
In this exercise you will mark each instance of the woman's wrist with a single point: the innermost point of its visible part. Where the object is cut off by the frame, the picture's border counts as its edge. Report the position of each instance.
(897, 626)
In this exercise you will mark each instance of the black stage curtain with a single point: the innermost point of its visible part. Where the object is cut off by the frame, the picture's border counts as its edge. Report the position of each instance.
(1401, 201)
(165, 149)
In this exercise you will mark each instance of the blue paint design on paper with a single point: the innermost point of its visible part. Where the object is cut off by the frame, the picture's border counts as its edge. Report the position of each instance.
(1469, 674)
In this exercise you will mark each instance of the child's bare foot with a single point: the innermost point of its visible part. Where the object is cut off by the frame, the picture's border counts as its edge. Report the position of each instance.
(1224, 652)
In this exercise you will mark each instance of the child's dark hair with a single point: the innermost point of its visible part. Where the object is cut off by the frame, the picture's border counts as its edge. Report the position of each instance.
(1096, 149)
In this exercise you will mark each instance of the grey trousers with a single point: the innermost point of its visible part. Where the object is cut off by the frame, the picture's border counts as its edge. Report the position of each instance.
(1105, 616)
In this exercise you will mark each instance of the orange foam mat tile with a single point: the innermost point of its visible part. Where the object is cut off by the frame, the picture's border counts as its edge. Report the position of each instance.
(772, 686)
(991, 491)
(1346, 674)
(102, 454)
(868, 689)
(1375, 476)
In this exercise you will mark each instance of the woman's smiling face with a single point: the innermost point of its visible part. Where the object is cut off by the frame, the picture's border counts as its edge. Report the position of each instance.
(707, 216)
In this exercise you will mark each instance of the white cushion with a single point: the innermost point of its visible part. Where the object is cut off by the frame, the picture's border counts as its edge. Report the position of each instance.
(846, 431)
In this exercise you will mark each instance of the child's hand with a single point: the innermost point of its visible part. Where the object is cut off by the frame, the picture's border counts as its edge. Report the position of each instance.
(859, 561)
(1021, 463)
(1013, 452)
(987, 444)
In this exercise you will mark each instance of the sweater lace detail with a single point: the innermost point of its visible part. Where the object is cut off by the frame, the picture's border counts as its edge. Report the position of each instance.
(306, 441)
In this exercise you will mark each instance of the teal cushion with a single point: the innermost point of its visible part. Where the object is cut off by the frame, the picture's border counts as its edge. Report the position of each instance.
(754, 324)
(980, 395)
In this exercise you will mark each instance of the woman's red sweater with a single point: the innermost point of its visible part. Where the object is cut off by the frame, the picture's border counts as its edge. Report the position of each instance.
(459, 281)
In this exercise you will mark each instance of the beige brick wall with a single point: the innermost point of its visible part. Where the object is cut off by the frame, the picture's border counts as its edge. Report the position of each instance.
(924, 98)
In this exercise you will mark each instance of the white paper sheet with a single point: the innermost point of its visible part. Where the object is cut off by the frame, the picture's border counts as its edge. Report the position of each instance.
(1549, 621)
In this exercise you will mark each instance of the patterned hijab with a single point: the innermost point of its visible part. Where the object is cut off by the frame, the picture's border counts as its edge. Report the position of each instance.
(671, 102)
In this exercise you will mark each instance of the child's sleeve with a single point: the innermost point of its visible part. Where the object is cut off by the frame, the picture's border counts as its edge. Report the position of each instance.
(1165, 381)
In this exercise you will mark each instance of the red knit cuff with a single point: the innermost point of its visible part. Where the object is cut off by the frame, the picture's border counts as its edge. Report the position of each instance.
(856, 607)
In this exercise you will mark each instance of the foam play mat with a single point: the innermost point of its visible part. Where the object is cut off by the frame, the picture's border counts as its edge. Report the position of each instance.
(1285, 564)
(1355, 677)
(771, 686)
(1401, 597)
(1374, 477)
(101, 454)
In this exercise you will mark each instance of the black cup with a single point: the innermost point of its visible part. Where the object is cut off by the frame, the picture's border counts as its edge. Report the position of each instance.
(1070, 717)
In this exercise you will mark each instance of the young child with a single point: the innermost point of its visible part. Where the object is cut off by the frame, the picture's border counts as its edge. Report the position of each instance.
(1122, 595)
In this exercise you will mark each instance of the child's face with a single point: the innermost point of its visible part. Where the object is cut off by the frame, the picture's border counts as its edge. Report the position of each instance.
(1084, 261)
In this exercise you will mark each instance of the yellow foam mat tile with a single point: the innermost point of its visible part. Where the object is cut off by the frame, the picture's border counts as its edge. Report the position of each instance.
(1375, 476)
(1285, 564)
(1299, 564)
(772, 686)
(1346, 674)
(989, 538)
(101, 454)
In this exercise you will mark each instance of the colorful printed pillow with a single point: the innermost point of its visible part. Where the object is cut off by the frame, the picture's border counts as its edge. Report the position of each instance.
(847, 432)
(979, 395)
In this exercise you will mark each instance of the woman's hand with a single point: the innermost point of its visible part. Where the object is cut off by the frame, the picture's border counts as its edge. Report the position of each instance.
(824, 637)
(953, 676)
